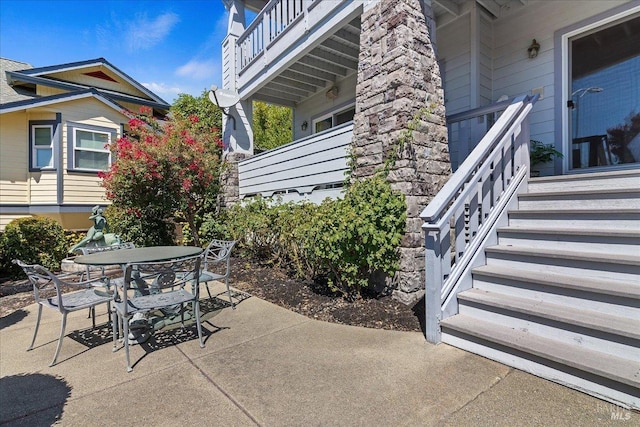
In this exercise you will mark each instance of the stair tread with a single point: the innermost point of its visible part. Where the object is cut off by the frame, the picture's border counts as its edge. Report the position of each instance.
(613, 367)
(631, 233)
(618, 288)
(566, 254)
(589, 192)
(590, 211)
(621, 326)
(586, 176)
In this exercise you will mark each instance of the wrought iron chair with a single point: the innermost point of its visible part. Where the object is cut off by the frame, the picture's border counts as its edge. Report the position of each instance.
(95, 249)
(91, 268)
(45, 282)
(217, 253)
(157, 286)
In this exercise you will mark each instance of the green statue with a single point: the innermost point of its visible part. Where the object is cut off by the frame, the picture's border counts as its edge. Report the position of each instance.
(98, 234)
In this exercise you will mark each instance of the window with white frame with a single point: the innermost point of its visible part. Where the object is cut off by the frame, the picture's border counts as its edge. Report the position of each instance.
(335, 118)
(41, 146)
(88, 147)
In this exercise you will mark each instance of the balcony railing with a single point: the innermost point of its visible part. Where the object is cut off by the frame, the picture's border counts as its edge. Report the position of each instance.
(317, 162)
(272, 20)
(466, 129)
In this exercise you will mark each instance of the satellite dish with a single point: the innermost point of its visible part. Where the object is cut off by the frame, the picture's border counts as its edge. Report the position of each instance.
(223, 98)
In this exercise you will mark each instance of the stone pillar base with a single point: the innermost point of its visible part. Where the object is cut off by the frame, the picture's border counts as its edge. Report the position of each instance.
(407, 298)
(230, 181)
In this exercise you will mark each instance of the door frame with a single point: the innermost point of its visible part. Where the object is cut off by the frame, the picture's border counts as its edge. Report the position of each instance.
(561, 86)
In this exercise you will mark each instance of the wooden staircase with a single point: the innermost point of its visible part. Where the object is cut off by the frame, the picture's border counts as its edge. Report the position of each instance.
(559, 295)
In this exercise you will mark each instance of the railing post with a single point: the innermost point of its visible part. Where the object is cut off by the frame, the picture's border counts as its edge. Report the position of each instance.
(306, 4)
(266, 35)
(433, 285)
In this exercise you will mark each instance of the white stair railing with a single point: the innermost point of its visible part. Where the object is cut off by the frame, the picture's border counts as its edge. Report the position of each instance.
(461, 219)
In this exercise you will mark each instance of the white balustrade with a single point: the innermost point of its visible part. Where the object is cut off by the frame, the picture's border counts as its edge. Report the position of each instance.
(272, 20)
(461, 219)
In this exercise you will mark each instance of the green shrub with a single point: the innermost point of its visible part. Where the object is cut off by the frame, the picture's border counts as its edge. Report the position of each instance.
(253, 224)
(358, 236)
(346, 241)
(143, 228)
(34, 240)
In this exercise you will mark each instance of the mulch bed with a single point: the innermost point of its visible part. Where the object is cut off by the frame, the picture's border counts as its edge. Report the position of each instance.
(273, 284)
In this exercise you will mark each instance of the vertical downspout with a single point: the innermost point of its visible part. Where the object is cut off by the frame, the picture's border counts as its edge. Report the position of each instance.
(59, 164)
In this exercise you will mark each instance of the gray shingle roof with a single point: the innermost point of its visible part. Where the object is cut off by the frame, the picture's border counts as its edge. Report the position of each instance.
(7, 92)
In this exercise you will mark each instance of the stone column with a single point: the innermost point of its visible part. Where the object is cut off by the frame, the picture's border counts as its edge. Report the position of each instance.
(229, 180)
(399, 88)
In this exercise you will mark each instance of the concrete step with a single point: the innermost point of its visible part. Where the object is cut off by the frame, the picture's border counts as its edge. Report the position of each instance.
(588, 181)
(613, 198)
(611, 377)
(569, 262)
(596, 294)
(612, 241)
(611, 334)
(602, 218)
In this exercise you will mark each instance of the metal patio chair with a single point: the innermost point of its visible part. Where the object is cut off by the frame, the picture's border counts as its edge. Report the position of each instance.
(157, 286)
(92, 293)
(218, 253)
(101, 268)
(95, 249)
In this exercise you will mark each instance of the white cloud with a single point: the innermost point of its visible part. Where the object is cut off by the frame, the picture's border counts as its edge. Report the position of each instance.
(199, 70)
(144, 33)
(165, 91)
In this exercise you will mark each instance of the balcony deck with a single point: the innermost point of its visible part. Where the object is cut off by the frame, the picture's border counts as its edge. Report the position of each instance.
(295, 48)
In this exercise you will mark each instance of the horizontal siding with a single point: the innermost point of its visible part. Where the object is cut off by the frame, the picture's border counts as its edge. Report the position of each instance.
(43, 187)
(129, 106)
(454, 49)
(13, 192)
(91, 112)
(85, 187)
(318, 105)
(82, 188)
(14, 157)
(515, 74)
(49, 91)
(486, 61)
(301, 166)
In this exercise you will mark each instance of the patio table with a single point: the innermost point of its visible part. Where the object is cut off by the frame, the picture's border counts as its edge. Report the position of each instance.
(146, 254)
(142, 254)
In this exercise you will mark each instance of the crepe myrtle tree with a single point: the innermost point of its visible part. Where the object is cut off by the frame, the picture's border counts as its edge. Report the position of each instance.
(169, 167)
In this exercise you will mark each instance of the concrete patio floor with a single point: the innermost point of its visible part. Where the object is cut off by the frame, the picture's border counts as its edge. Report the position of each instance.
(264, 365)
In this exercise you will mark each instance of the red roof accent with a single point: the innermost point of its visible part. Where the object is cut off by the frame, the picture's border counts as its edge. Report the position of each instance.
(100, 75)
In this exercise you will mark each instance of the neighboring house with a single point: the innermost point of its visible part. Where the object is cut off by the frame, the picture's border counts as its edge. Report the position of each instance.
(357, 73)
(55, 124)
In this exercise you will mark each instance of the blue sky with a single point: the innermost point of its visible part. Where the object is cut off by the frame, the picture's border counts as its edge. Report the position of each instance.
(170, 47)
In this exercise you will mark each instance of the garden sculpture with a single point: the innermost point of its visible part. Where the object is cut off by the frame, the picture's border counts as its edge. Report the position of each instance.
(98, 234)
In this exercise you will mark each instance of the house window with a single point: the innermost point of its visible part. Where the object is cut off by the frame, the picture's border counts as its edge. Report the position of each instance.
(41, 146)
(91, 150)
(88, 148)
(335, 118)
